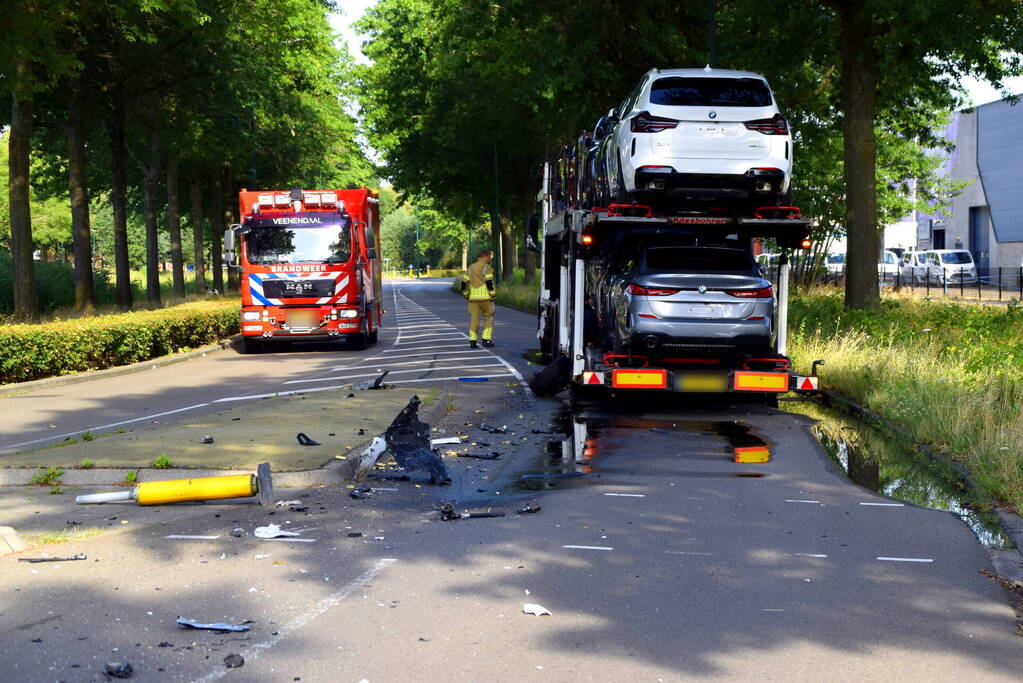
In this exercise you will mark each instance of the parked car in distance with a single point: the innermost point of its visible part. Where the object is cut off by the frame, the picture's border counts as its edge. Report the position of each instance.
(835, 264)
(888, 266)
(669, 296)
(950, 266)
(698, 139)
(912, 266)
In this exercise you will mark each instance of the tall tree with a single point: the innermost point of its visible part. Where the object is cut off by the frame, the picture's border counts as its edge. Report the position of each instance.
(195, 198)
(78, 189)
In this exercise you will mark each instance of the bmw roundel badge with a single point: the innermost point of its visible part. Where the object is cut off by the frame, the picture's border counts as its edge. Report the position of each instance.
(713, 115)
(703, 289)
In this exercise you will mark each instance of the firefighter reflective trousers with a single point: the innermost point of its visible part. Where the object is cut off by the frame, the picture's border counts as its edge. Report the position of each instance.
(486, 309)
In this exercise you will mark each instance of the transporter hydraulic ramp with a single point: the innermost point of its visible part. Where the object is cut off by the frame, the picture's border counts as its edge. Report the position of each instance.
(570, 341)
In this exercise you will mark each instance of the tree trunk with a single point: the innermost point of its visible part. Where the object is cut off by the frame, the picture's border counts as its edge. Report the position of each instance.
(78, 190)
(495, 245)
(229, 202)
(119, 190)
(152, 179)
(859, 105)
(508, 251)
(195, 196)
(465, 256)
(217, 226)
(528, 256)
(174, 227)
(23, 278)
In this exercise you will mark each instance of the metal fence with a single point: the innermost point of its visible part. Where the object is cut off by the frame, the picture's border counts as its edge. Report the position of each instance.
(984, 284)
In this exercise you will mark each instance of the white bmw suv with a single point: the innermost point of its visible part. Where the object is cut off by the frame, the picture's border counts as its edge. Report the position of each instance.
(698, 139)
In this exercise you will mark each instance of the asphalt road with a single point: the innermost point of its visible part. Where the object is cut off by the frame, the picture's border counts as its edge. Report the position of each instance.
(658, 555)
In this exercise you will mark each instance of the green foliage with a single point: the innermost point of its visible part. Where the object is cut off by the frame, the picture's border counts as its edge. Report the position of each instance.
(86, 464)
(87, 436)
(46, 476)
(56, 491)
(131, 477)
(162, 462)
(62, 347)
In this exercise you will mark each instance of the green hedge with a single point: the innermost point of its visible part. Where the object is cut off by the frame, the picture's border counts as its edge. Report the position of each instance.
(64, 347)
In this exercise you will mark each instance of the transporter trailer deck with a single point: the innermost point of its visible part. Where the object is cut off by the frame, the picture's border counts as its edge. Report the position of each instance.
(573, 350)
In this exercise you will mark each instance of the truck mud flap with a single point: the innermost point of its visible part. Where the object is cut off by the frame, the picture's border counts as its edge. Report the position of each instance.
(552, 379)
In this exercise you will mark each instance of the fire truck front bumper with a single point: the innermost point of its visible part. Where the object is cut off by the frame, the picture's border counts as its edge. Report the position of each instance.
(300, 323)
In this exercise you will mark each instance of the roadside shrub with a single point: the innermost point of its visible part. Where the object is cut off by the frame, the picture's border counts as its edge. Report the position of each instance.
(64, 347)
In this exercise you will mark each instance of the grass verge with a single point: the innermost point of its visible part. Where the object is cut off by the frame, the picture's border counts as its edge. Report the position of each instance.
(513, 292)
(63, 536)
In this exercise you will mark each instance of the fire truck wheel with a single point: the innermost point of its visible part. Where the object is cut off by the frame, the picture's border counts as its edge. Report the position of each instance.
(251, 345)
(358, 342)
(371, 338)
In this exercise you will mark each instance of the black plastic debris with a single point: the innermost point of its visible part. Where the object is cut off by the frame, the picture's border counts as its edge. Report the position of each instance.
(164, 643)
(355, 534)
(298, 508)
(542, 431)
(408, 440)
(305, 440)
(118, 670)
(370, 385)
(207, 439)
(72, 522)
(362, 431)
(233, 661)
(448, 514)
(494, 430)
(214, 626)
(360, 492)
(481, 456)
(52, 559)
(350, 396)
(528, 509)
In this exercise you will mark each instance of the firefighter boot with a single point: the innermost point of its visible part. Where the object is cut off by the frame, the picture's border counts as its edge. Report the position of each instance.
(473, 344)
(487, 342)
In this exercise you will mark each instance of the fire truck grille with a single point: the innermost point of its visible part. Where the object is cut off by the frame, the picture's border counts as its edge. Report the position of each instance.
(295, 288)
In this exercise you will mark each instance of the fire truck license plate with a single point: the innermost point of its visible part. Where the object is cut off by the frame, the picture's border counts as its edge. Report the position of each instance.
(303, 318)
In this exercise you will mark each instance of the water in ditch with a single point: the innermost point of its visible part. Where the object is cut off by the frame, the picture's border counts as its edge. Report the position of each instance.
(887, 464)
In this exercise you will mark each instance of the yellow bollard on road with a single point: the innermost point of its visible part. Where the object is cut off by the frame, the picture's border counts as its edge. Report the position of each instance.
(193, 490)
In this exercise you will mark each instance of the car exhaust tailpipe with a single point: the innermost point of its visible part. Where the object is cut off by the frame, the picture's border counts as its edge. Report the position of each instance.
(762, 186)
(651, 342)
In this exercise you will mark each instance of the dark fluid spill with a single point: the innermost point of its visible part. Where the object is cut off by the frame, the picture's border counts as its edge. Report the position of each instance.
(888, 465)
(574, 458)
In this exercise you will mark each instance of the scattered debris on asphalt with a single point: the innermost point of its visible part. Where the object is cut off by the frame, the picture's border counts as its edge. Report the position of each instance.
(370, 385)
(207, 439)
(355, 534)
(272, 531)
(118, 670)
(445, 440)
(529, 509)
(52, 559)
(287, 503)
(238, 532)
(448, 514)
(503, 429)
(233, 661)
(305, 440)
(214, 626)
(361, 492)
(480, 456)
(408, 440)
(538, 610)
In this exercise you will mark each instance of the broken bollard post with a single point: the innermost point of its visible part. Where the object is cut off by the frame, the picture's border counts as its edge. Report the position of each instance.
(192, 490)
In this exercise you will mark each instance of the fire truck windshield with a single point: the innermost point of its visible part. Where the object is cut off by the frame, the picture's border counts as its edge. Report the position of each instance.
(329, 243)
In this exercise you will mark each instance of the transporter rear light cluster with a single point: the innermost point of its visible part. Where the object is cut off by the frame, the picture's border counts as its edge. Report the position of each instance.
(586, 239)
(639, 290)
(645, 122)
(776, 125)
(765, 293)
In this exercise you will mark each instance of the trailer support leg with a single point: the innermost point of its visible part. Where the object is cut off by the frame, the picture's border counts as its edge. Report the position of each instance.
(783, 303)
(577, 320)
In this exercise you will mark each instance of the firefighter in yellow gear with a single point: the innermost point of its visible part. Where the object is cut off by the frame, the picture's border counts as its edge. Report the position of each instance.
(478, 290)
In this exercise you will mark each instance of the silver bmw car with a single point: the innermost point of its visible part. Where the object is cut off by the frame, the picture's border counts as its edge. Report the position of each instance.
(670, 296)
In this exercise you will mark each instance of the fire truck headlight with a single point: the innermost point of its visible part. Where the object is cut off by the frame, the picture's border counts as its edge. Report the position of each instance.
(250, 315)
(348, 313)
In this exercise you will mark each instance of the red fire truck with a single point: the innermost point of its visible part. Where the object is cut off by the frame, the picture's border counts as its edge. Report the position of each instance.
(310, 265)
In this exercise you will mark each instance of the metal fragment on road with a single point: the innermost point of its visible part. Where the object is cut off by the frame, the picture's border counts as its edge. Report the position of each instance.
(35, 560)
(538, 610)
(212, 626)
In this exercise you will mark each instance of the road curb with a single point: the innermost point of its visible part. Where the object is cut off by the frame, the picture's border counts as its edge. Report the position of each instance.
(92, 375)
(335, 471)
(1008, 563)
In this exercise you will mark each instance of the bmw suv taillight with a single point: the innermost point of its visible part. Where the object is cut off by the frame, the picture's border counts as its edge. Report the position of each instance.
(765, 293)
(639, 290)
(776, 125)
(645, 122)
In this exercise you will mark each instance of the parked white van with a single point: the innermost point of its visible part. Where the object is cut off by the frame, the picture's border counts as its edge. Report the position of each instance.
(950, 265)
(913, 266)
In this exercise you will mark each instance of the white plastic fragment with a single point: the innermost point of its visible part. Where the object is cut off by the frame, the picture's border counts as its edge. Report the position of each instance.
(538, 610)
(287, 503)
(272, 531)
(445, 440)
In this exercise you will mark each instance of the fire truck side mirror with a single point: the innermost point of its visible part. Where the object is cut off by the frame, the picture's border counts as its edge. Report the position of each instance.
(371, 253)
(229, 238)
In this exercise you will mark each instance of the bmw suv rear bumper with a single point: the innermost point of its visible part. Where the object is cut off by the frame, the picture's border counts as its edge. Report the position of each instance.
(671, 335)
(755, 182)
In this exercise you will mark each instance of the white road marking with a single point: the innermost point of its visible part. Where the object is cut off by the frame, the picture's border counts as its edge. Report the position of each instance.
(194, 538)
(684, 552)
(627, 495)
(107, 426)
(282, 632)
(787, 500)
(435, 353)
(441, 379)
(905, 559)
(292, 540)
(395, 372)
(380, 366)
(425, 348)
(443, 333)
(885, 505)
(806, 555)
(587, 547)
